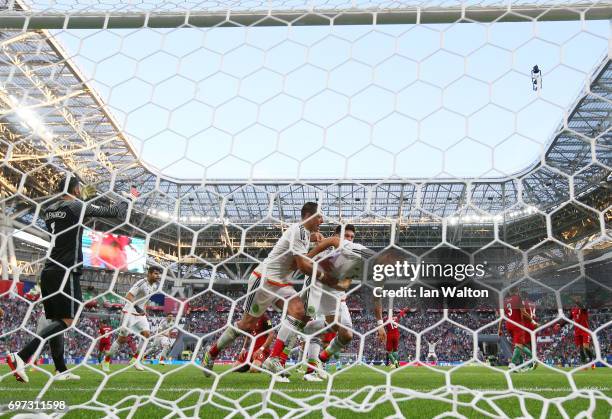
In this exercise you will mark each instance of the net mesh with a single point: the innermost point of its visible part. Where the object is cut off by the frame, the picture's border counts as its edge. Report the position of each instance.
(436, 140)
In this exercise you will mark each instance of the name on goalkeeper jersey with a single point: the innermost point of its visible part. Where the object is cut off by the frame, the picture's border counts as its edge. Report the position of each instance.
(421, 292)
(424, 270)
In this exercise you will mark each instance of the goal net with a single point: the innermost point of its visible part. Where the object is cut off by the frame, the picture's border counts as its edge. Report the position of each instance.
(466, 144)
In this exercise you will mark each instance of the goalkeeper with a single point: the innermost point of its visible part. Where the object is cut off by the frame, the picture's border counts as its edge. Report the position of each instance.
(61, 275)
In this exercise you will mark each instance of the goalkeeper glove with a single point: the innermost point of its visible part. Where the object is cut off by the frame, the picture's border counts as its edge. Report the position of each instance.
(88, 192)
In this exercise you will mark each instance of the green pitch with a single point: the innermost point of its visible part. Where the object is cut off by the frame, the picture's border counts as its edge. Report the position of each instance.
(357, 392)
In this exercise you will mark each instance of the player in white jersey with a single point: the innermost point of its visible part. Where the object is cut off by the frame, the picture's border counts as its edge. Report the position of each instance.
(163, 340)
(269, 284)
(431, 351)
(329, 302)
(134, 319)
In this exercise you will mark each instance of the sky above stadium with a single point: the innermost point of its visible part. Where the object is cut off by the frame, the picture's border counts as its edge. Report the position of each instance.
(341, 102)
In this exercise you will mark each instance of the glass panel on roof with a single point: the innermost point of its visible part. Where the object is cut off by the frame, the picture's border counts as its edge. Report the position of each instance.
(337, 102)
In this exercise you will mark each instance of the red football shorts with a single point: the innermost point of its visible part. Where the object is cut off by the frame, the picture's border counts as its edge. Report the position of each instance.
(392, 343)
(519, 336)
(261, 356)
(104, 346)
(582, 339)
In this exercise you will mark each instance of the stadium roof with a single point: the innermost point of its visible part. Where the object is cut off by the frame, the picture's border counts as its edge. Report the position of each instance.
(88, 141)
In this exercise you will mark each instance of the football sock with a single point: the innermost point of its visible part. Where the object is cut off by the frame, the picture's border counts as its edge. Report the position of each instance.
(278, 348)
(113, 350)
(228, 336)
(334, 347)
(139, 348)
(286, 335)
(312, 352)
(164, 353)
(527, 353)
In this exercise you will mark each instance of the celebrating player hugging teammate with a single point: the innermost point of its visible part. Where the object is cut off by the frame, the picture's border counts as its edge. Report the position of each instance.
(134, 319)
(342, 260)
(269, 284)
(516, 314)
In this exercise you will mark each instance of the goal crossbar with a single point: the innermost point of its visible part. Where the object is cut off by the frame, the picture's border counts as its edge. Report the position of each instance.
(199, 19)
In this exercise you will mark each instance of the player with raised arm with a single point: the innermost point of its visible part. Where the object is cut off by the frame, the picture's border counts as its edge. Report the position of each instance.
(515, 313)
(393, 337)
(389, 257)
(431, 351)
(163, 340)
(269, 284)
(134, 319)
(104, 344)
(60, 279)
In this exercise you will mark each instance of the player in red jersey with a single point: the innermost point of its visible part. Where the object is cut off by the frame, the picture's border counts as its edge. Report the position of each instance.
(104, 344)
(582, 338)
(529, 323)
(261, 349)
(530, 307)
(393, 335)
(328, 337)
(515, 313)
